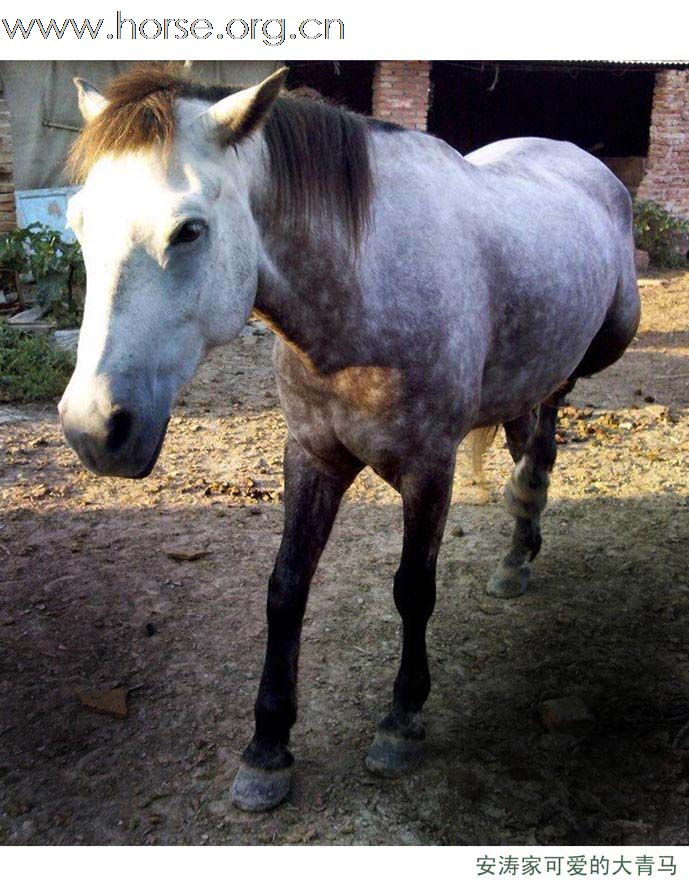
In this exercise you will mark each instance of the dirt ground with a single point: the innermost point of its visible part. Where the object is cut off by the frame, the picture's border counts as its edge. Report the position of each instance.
(93, 596)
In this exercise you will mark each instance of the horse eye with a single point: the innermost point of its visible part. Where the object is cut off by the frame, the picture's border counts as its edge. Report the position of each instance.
(187, 232)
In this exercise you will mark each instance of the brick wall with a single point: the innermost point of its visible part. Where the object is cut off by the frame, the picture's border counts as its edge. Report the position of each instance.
(401, 92)
(8, 218)
(667, 173)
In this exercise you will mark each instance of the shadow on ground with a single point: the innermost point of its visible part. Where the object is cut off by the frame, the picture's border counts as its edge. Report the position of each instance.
(606, 620)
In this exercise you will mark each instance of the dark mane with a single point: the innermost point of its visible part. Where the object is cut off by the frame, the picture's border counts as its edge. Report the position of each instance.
(319, 159)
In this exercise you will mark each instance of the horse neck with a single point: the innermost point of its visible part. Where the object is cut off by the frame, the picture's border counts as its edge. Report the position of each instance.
(309, 288)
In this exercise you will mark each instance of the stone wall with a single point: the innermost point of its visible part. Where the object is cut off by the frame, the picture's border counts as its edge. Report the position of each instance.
(401, 91)
(8, 218)
(667, 173)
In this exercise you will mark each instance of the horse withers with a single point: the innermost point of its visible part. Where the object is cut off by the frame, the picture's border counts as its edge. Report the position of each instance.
(416, 295)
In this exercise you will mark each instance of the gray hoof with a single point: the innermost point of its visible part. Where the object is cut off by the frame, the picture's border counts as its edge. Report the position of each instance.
(256, 790)
(392, 756)
(508, 583)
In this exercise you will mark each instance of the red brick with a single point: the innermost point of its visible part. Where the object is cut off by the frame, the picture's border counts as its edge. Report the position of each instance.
(400, 92)
(667, 174)
(8, 218)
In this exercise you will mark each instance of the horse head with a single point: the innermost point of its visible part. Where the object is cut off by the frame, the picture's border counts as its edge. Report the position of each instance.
(171, 252)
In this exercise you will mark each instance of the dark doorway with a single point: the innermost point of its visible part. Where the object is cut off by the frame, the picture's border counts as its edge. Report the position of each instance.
(347, 83)
(604, 109)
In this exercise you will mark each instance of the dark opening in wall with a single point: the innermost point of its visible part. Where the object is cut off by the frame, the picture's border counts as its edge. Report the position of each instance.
(606, 110)
(347, 83)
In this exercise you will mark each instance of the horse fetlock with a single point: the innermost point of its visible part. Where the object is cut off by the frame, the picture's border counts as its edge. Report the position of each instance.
(268, 753)
(534, 545)
(405, 724)
(526, 542)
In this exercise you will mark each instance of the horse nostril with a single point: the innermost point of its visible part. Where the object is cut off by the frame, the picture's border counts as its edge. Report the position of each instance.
(119, 430)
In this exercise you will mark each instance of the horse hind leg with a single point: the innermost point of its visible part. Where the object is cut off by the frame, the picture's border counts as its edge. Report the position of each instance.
(533, 448)
(518, 432)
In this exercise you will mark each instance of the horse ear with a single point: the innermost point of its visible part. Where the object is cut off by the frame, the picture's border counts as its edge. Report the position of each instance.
(239, 114)
(91, 102)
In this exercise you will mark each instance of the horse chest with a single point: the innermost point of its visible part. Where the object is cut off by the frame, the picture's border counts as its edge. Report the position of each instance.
(360, 407)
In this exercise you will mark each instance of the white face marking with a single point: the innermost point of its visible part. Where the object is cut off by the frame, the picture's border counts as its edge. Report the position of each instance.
(155, 305)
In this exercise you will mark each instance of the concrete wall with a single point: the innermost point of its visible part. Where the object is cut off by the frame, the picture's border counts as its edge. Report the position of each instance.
(45, 118)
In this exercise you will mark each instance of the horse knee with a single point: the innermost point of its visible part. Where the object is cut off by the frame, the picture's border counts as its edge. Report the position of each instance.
(414, 593)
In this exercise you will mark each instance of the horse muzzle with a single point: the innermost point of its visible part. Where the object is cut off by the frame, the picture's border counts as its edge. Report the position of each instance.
(114, 440)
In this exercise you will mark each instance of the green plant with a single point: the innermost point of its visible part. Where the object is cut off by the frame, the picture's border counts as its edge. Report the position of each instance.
(660, 233)
(32, 367)
(55, 266)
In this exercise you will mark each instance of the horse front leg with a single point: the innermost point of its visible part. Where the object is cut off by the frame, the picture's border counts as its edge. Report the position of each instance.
(534, 449)
(312, 498)
(397, 747)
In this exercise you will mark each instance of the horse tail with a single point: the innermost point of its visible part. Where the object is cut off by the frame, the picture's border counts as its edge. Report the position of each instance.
(479, 441)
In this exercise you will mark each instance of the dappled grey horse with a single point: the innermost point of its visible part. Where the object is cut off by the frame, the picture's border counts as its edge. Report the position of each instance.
(416, 295)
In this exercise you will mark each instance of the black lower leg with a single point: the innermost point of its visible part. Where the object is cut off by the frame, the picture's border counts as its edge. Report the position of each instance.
(275, 710)
(312, 498)
(414, 595)
(396, 748)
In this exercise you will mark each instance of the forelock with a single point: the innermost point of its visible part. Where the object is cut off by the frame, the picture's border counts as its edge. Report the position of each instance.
(140, 114)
